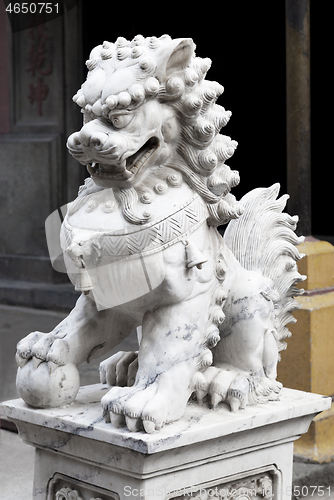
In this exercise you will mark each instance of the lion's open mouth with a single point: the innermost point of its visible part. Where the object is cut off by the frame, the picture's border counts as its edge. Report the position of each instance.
(131, 165)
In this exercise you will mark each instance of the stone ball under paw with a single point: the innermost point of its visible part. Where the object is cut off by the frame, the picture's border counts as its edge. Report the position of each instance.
(45, 388)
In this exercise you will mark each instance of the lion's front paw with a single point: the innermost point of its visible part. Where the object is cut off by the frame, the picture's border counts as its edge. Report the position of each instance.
(43, 347)
(125, 407)
(120, 369)
(46, 376)
(153, 402)
(48, 385)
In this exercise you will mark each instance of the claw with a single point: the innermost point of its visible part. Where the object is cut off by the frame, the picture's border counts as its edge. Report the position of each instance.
(149, 426)
(20, 361)
(200, 395)
(234, 403)
(52, 367)
(24, 352)
(117, 419)
(238, 393)
(215, 399)
(36, 362)
(25, 345)
(133, 424)
(106, 416)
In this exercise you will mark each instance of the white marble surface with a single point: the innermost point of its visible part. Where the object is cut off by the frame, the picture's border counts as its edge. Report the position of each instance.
(83, 417)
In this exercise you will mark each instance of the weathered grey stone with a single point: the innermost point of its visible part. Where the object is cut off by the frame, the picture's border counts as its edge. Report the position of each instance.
(59, 297)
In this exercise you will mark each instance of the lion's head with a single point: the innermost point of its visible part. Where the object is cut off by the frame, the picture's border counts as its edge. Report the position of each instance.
(146, 106)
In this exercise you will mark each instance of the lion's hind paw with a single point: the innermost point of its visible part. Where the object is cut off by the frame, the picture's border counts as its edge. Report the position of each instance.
(223, 385)
(120, 369)
(228, 385)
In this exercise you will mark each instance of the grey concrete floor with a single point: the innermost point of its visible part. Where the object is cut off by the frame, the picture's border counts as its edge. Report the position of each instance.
(17, 458)
(16, 467)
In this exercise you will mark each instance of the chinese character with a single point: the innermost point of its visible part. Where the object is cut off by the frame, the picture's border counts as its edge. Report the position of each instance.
(38, 93)
(37, 52)
(39, 65)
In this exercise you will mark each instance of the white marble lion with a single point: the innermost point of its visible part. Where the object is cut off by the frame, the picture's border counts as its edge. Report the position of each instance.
(141, 243)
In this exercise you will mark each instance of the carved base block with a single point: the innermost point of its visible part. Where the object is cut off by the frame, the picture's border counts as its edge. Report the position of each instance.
(207, 454)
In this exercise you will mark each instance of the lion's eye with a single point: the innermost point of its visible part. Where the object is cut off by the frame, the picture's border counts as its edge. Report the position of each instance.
(121, 121)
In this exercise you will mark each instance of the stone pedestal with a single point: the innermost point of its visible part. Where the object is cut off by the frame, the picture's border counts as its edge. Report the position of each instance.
(247, 454)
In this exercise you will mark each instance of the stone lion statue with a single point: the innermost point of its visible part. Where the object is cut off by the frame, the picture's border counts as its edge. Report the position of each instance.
(141, 243)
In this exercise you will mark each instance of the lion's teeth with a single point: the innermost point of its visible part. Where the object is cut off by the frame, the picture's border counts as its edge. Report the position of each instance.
(120, 171)
(126, 174)
(142, 160)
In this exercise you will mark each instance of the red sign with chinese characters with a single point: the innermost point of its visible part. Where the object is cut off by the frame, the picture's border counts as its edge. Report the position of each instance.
(40, 65)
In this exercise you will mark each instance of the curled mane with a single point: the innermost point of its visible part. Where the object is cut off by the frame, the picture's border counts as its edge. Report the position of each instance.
(201, 151)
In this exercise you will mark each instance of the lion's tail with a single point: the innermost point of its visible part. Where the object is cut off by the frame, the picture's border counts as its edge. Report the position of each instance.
(263, 240)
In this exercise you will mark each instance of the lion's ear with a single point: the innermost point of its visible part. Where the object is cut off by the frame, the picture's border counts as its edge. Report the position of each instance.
(174, 58)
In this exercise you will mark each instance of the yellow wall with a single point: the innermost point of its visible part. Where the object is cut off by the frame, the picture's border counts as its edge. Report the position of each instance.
(308, 362)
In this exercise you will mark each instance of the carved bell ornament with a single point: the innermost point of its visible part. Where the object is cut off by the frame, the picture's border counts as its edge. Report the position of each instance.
(194, 256)
(83, 282)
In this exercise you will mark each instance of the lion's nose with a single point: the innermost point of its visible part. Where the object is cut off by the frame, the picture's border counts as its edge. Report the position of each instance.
(83, 138)
(90, 136)
(74, 142)
(98, 140)
(94, 140)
